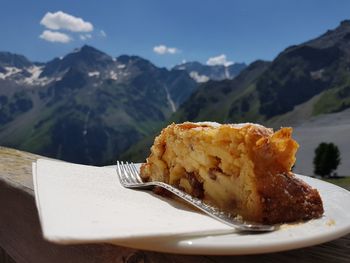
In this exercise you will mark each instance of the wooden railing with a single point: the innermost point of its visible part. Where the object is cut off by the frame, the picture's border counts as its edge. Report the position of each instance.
(21, 239)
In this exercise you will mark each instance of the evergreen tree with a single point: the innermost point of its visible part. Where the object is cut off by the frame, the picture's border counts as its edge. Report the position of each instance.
(327, 159)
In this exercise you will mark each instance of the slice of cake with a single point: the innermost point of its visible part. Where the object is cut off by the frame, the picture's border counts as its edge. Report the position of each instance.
(243, 169)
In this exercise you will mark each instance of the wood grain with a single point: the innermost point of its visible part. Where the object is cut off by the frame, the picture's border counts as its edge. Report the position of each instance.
(21, 238)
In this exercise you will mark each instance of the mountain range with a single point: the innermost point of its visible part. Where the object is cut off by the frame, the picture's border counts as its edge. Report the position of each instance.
(317, 70)
(89, 107)
(86, 107)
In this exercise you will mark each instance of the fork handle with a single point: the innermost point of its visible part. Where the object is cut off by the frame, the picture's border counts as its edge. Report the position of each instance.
(223, 217)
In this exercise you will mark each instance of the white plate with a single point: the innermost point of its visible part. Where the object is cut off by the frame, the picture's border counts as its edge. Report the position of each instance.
(334, 224)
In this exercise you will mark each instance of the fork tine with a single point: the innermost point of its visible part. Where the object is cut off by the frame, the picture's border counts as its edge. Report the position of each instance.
(136, 173)
(125, 173)
(120, 173)
(131, 174)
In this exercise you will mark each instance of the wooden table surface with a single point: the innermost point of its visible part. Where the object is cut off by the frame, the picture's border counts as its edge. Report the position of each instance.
(21, 238)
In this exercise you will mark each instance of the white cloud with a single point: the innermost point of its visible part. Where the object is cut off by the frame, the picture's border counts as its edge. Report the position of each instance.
(172, 50)
(163, 49)
(61, 20)
(52, 36)
(85, 36)
(219, 60)
(199, 78)
(103, 33)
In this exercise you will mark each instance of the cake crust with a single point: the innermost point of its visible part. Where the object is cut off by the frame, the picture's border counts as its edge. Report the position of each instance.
(243, 169)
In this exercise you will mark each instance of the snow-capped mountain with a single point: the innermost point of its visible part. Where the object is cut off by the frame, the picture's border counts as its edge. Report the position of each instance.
(87, 106)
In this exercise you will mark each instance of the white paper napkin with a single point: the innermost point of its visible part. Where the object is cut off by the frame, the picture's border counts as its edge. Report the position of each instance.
(79, 203)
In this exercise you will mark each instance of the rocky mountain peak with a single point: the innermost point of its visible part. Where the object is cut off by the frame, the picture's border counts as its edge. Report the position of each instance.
(338, 37)
(86, 58)
(345, 23)
(88, 55)
(131, 59)
(91, 51)
(8, 59)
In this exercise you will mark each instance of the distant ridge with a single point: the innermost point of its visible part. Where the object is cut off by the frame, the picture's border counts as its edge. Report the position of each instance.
(203, 73)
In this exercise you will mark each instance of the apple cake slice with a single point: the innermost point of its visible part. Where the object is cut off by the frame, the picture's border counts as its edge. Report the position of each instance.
(243, 169)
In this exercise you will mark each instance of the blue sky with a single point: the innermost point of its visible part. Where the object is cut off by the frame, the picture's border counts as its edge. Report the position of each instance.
(166, 32)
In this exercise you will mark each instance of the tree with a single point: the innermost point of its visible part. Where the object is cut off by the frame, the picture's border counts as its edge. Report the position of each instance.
(327, 159)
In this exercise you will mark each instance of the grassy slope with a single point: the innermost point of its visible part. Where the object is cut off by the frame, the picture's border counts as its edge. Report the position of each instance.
(342, 182)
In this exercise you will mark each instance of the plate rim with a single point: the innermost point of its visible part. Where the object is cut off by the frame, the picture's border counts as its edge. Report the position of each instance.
(184, 244)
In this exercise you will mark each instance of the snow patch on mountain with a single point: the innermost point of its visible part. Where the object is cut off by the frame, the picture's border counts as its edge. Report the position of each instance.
(33, 79)
(227, 74)
(9, 72)
(20, 76)
(94, 74)
(113, 75)
(170, 100)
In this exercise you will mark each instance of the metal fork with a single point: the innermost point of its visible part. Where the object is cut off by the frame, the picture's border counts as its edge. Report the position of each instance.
(129, 177)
